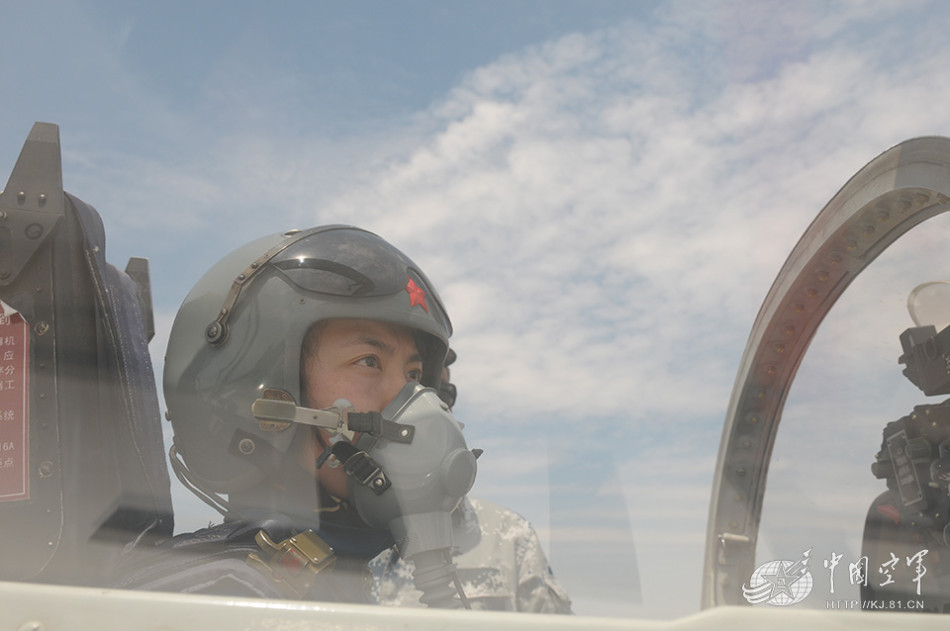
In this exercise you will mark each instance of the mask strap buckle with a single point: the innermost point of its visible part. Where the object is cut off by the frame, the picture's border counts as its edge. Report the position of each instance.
(358, 465)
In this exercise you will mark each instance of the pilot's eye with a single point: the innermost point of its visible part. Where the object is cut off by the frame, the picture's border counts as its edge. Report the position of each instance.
(370, 361)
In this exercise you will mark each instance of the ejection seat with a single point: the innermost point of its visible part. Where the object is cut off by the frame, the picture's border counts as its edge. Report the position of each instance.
(82, 468)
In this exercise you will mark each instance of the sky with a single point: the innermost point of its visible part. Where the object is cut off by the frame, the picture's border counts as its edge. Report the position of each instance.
(603, 193)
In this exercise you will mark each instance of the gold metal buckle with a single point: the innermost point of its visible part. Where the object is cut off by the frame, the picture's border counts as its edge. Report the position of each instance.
(293, 563)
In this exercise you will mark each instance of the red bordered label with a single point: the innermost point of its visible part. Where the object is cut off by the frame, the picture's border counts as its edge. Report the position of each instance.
(14, 405)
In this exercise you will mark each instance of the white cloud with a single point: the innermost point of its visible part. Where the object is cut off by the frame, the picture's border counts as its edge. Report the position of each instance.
(606, 229)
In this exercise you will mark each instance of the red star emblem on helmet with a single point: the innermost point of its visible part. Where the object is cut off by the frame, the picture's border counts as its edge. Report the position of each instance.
(416, 295)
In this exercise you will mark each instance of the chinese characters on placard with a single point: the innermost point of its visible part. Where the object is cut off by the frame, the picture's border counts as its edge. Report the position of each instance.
(14, 405)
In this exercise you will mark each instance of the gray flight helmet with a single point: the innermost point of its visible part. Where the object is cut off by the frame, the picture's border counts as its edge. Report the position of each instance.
(240, 330)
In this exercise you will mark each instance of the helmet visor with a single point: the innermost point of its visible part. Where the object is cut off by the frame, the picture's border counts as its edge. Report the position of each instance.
(347, 262)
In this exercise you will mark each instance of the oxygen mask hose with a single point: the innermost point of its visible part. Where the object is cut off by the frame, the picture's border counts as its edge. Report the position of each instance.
(436, 578)
(421, 457)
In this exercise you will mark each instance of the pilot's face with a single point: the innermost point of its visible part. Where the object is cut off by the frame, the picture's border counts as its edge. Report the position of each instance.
(363, 361)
